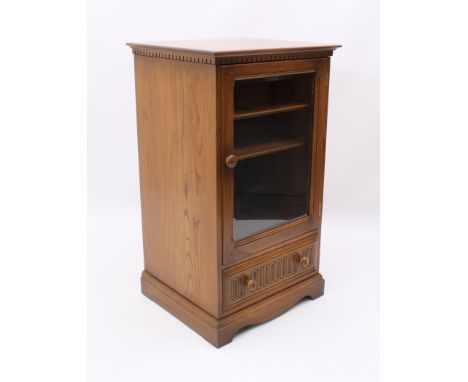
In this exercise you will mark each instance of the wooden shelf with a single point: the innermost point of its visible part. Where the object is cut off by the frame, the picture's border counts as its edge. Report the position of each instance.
(255, 150)
(258, 112)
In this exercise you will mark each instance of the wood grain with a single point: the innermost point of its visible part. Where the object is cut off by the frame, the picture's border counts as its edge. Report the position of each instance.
(185, 117)
(221, 331)
(232, 51)
(269, 273)
(320, 135)
(176, 111)
(243, 249)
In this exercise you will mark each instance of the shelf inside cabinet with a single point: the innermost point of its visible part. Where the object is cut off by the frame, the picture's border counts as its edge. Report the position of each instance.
(268, 110)
(264, 148)
(270, 134)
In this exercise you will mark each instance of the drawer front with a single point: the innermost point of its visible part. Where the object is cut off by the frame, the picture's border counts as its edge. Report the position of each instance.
(253, 280)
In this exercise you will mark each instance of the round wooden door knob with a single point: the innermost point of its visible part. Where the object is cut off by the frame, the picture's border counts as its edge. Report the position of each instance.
(231, 161)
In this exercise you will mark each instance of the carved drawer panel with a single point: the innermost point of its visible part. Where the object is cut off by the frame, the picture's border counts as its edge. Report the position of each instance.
(255, 279)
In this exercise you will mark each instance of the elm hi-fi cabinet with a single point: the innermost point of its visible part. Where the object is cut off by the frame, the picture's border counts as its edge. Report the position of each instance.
(231, 137)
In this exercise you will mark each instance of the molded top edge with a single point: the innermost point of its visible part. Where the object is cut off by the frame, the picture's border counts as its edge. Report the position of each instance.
(235, 46)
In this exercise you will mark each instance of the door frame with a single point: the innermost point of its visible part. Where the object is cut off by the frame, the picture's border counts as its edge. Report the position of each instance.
(251, 245)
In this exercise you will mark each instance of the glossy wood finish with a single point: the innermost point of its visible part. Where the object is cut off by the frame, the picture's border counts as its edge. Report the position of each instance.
(242, 114)
(219, 332)
(243, 249)
(185, 116)
(239, 46)
(254, 149)
(232, 51)
(176, 111)
(269, 273)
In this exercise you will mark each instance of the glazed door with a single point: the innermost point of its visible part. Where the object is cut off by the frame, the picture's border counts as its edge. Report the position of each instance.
(274, 117)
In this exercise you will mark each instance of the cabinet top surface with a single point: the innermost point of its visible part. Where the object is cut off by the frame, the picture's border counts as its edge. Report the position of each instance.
(219, 47)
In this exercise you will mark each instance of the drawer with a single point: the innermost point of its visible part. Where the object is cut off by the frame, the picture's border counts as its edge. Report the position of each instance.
(248, 282)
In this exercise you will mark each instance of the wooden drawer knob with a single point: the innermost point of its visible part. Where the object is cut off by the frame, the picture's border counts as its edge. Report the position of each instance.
(249, 282)
(231, 161)
(303, 260)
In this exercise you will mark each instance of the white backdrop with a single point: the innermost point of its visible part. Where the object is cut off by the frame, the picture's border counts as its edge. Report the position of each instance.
(334, 338)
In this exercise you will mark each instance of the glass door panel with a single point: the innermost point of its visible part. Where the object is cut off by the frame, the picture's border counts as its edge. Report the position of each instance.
(272, 151)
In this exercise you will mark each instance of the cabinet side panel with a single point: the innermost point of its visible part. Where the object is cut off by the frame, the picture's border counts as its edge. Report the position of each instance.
(176, 112)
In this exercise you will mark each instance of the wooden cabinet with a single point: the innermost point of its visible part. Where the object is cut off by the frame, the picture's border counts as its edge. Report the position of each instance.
(231, 138)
